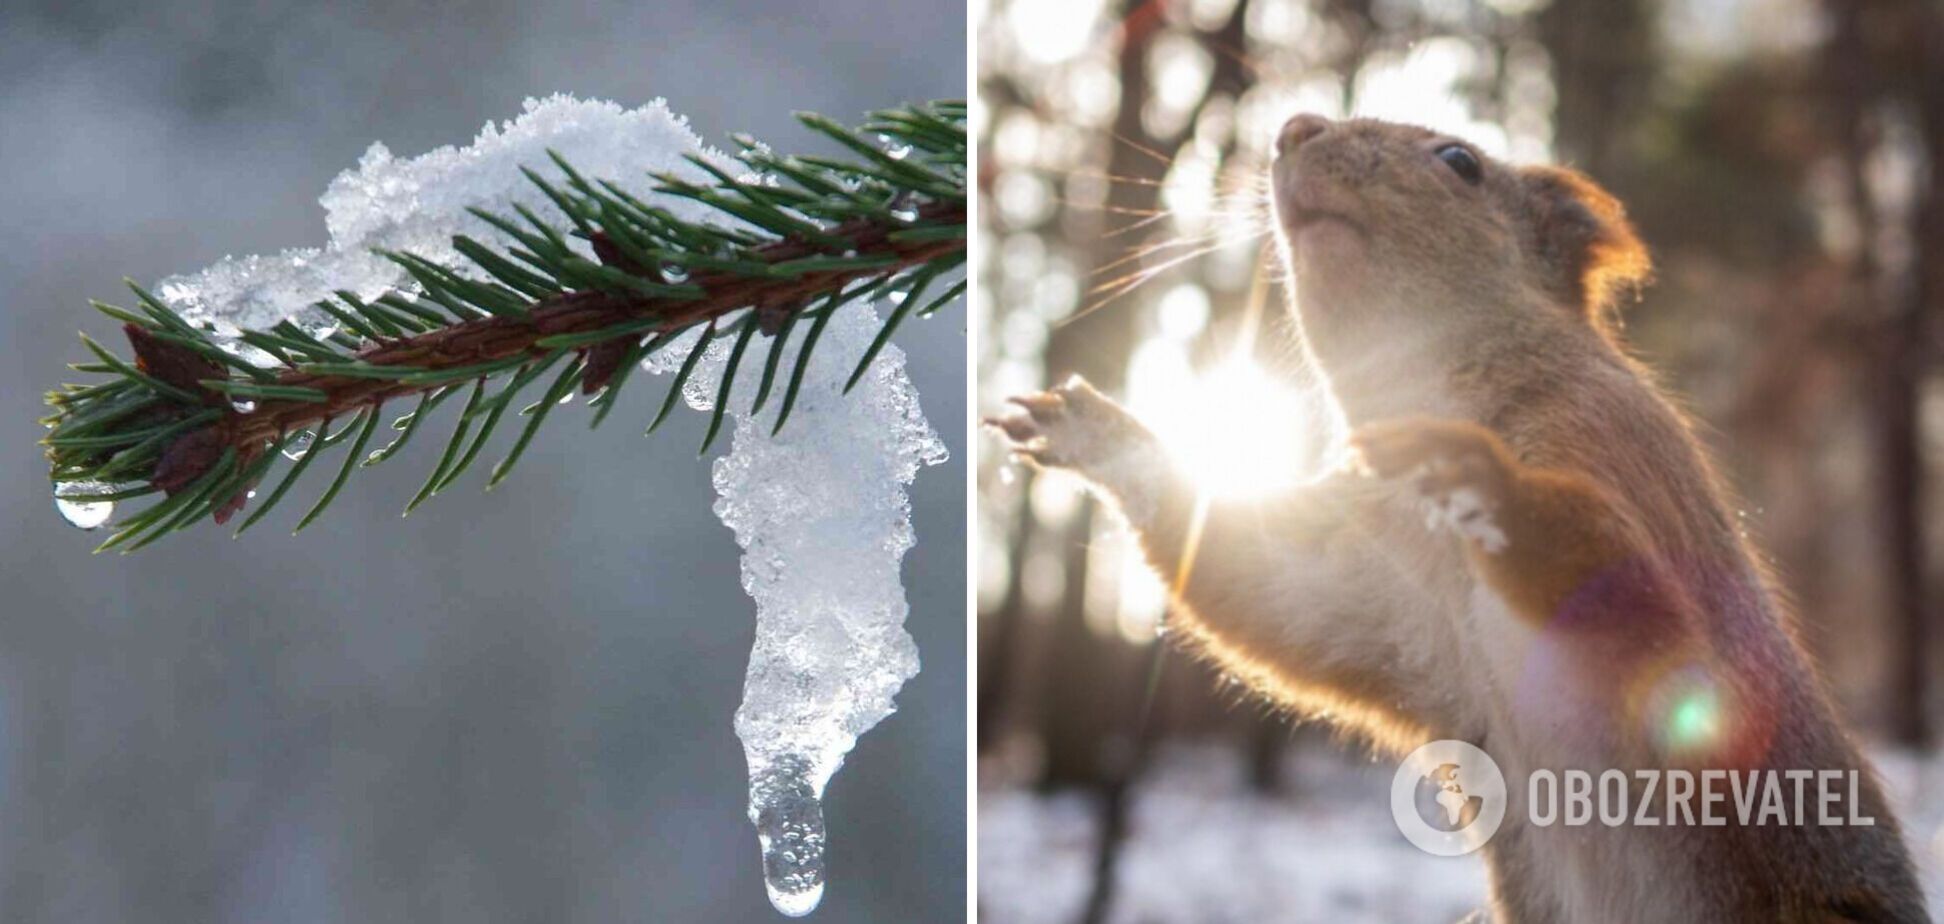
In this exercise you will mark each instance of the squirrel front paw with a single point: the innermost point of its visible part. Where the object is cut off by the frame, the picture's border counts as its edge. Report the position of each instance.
(1462, 471)
(1072, 426)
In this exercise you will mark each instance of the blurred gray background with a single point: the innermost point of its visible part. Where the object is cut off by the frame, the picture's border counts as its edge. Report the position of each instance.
(512, 706)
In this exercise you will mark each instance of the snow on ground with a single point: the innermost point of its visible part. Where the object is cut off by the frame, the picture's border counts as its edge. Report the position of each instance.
(1916, 787)
(1204, 847)
(1036, 855)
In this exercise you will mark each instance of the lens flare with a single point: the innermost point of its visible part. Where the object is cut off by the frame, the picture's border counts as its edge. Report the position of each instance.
(1694, 720)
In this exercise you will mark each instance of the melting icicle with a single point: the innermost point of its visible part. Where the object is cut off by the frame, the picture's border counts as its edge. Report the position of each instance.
(786, 806)
(821, 513)
(74, 500)
(299, 445)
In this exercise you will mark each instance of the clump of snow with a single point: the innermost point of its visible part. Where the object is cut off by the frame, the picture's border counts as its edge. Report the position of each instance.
(821, 513)
(418, 204)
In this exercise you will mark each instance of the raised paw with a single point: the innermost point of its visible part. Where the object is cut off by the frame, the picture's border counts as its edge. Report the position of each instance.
(1461, 469)
(1072, 426)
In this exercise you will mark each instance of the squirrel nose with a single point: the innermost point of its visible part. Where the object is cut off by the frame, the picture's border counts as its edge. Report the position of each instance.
(1298, 131)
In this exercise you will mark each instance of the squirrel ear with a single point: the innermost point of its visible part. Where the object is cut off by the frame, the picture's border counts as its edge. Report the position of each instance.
(1587, 249)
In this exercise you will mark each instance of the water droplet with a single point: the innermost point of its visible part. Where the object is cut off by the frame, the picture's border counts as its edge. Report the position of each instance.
(674, 274)
(789, 821)
(243, 406)
(566, 398)
(299, 444)
(72, 499)
(894, 149)
(905, 209)
(376, 456)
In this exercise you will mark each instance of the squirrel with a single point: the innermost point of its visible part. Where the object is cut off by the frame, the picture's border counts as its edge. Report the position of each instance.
(1581, 595)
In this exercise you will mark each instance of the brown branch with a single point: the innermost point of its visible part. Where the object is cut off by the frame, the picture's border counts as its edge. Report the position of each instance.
(500, 337)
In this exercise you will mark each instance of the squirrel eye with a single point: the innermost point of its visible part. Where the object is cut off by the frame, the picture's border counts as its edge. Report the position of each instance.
(1462, 162)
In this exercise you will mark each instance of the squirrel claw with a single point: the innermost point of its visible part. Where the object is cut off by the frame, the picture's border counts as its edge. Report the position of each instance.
(1071, 426)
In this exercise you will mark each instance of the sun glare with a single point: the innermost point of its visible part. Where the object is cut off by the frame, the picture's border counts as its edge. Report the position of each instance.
(1237, 429)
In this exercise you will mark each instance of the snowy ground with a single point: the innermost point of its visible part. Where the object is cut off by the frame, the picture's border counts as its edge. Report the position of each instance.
(1203, 847)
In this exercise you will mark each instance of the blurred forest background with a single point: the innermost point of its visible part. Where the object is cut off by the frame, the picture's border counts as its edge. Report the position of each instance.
(510, 707)
(1783, 158)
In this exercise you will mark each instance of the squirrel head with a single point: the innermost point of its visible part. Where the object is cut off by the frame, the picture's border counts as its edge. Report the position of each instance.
(1385, 224)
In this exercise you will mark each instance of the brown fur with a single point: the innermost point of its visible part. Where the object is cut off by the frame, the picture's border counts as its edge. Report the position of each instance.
(1463, 328)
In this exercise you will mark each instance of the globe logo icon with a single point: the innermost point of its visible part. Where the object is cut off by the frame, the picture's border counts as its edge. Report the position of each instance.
(1448, 798)
(1442, 800)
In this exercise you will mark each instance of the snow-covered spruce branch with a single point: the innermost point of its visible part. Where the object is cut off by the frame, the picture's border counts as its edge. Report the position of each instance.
(677, 261)
(199, 413)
